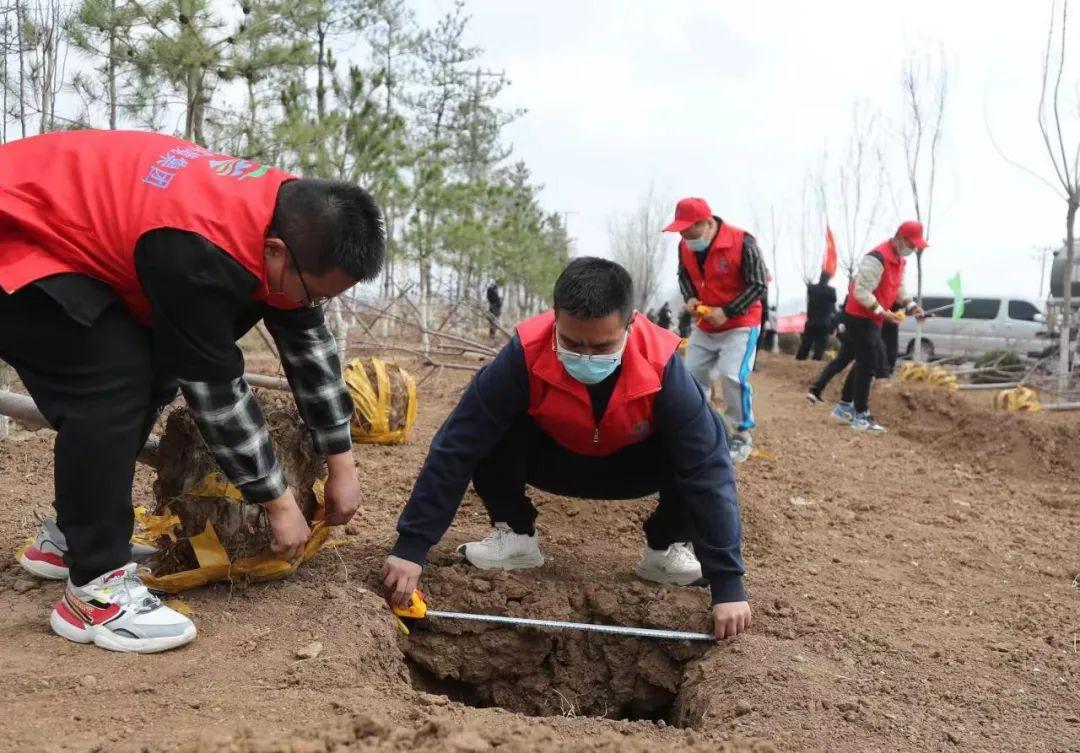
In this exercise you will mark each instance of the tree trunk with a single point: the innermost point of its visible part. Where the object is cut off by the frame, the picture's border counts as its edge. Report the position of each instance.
(22, 66)
(189, 116)
(341, 330)
(320, 64)
(4, 41)
(1064, 346)
(6, 377)
(918, 296)
(111, 71)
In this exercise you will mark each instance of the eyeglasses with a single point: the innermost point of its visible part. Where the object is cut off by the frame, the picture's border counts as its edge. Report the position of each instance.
(312, 302)
(596, 357)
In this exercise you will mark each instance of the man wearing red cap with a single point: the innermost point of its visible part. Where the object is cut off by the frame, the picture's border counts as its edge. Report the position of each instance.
(877, 287)
(723, 278)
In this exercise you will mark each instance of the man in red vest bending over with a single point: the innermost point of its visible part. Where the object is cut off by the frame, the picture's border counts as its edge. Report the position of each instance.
(721, 270)
(877, 287)
(130, 263)
(589, 400)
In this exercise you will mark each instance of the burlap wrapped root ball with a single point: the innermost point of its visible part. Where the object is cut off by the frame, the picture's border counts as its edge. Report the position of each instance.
(191, 487)
(384, 395)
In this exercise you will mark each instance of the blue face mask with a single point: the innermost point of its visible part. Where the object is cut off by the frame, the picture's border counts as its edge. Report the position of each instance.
(699, 244)
(588, 369)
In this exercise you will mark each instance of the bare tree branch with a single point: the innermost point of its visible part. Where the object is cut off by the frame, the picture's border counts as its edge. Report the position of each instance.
(637, 243)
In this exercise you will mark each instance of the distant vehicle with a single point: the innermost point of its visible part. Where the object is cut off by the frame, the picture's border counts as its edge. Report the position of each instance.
(1015, 325)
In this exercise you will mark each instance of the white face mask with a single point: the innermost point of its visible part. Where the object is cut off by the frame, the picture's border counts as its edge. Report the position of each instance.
(906, 250)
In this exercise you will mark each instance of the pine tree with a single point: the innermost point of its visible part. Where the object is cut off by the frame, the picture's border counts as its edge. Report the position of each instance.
(102, 31)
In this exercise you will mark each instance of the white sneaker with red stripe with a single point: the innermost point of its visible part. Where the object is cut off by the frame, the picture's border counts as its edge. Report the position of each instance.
(117, 612)
(45, 557)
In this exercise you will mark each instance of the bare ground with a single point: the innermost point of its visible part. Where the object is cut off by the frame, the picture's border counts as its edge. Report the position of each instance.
(912, 592)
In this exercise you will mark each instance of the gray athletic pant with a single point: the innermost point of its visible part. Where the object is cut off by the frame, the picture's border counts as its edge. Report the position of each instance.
(728, 356)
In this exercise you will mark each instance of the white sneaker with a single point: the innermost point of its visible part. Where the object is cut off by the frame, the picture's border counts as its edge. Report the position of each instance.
(843, 412)
(504, 550)
(116, 612)
(45, 557)
(740, 446)
(865, 422)
(674, 566)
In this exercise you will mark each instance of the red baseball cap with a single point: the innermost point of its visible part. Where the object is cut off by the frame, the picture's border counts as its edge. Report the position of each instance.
(912, 232)
(689, 212)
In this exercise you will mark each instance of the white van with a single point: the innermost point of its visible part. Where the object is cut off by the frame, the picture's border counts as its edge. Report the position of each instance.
(1012, 324)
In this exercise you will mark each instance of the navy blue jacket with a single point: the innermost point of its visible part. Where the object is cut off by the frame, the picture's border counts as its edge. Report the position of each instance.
(686, 425)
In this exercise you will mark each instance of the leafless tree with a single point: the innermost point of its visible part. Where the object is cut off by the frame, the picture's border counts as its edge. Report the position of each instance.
(637, 243)
(811, 222)
(20, 47)
(769, 231)
(1066, 164)
(7, 45)
(925, 85)
(860, 187)
(41, 47)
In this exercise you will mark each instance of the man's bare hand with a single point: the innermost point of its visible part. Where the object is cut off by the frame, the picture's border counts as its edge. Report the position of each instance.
(341, 495)
(401, 577)
(892, 318)
(730, 619)
(290, 532)
(716, 317)
(917, 312)
(692, 305)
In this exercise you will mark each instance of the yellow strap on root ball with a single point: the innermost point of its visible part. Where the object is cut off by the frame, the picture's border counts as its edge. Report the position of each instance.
(214, 562)
(372, 401)
(1017, 399)
(913, 372)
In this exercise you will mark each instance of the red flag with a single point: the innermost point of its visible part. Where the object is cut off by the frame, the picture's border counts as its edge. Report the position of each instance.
(830, 253)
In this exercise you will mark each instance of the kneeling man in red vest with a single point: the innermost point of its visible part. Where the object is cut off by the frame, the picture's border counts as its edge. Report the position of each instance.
(130, 263)
(588, 400)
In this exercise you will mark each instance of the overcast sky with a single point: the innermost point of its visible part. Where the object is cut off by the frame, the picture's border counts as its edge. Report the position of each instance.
(735, 101)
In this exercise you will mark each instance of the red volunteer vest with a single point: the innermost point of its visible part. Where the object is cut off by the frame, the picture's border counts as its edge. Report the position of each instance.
(79, 201)
(885, 292)
(561, 406)
(722, 281)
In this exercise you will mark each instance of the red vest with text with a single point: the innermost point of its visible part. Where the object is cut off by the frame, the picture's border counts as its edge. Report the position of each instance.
(561, 406)
(722, 281)
(885, 292)
(78, 201)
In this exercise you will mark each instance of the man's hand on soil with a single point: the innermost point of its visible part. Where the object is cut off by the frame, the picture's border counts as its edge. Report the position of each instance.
(401, 577)
(290, 530)
(730, 619)
(341, 495)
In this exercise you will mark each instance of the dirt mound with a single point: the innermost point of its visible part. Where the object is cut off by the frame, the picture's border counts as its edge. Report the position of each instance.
(555, 672)
(443, 732)
(190, 485)
(1024, 445)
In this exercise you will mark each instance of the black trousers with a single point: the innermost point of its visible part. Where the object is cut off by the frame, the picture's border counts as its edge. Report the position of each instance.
(890, 336)
(814, 337)
(96, 386)
(526, 455)
(834, 367)
(868, 352)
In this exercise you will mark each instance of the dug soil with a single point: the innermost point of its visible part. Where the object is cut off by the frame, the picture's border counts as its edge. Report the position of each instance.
(917, 591)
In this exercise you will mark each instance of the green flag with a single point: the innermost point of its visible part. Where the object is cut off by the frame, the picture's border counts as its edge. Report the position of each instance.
(958, 296)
